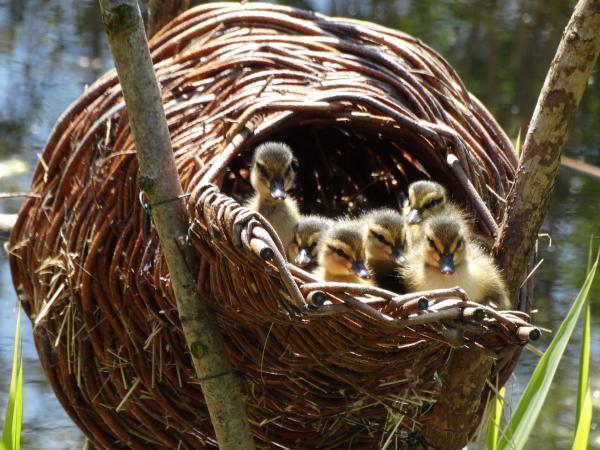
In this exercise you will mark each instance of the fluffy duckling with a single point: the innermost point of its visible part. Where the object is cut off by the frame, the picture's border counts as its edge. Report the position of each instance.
(271, 177)
(385, 243)
(425, 199)
(303, 250)
(342, 254)
(448, 257)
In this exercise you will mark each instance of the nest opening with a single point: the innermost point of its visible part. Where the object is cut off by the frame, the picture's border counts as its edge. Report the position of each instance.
(345, 169)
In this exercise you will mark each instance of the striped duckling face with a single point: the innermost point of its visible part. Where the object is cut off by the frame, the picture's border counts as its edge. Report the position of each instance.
(304, 248)
(385, 235)
(342, 251)
(425, 198)
(272, 175)
(444, 243)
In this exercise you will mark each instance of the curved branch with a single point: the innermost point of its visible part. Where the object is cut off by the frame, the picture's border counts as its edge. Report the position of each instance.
(529, 199)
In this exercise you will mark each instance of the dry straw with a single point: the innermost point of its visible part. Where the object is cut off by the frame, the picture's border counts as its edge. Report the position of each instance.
(367, 110)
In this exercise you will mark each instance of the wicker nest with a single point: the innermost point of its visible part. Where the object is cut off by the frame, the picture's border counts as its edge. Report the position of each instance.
(367, 110)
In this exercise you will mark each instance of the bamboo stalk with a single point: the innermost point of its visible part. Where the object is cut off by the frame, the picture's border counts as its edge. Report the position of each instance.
(158, 177)
(452, 418)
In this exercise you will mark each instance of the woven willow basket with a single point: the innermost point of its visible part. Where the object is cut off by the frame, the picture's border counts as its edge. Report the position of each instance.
(367, 110)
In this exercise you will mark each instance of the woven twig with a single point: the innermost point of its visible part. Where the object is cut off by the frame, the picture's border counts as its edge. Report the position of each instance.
(367, 110)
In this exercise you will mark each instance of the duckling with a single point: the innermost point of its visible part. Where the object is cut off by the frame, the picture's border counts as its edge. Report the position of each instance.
(447, 257)
(303, 250)
(425, 199)
(342, 254)
(271, 177)
(385, 243)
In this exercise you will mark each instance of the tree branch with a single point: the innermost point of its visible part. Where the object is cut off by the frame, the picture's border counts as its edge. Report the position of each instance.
(451, 421)
(529, 199)
(160, 180)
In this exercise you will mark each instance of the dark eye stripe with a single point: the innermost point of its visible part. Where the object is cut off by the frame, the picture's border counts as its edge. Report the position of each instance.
(262, 169)
(339, 252)
(381, 238)
(432, 203)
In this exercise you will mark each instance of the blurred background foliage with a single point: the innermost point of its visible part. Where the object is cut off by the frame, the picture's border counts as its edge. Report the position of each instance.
(51, 49)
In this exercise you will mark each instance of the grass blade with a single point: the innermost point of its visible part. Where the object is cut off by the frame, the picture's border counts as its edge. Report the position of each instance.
(527, 411)
(584, 401)
(11, 433)
(584, 423)
(518, 143)
(584, 362)
(494, 427)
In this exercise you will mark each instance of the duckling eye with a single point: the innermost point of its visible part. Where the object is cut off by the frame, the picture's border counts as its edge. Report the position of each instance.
(339, 252)
(431, 243)
(380, 237)
(432, 203)
(262, 169)
(460, 243)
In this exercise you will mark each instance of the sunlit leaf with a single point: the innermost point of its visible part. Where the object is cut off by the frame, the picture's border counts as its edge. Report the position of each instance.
(584, 423)
(518, 143)
(494, 427)
(583, 413)
(528, 409)
(11, 432)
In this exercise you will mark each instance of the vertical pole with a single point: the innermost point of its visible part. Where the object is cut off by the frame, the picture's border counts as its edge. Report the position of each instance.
(158, 177)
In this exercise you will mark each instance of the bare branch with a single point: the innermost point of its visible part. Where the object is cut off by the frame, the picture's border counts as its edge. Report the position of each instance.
(529, 199)
(160, 180)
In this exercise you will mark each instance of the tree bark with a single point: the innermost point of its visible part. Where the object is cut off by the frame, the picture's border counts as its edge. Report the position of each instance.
(529, 199)
(161, 12)
(160, 180)
(451, 421)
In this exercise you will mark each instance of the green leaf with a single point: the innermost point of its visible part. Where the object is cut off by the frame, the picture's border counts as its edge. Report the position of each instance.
(584, 362)
(518, 143)
(496, 418)
(527, 411)
(584, 423)
(11, 433)
(584, 401)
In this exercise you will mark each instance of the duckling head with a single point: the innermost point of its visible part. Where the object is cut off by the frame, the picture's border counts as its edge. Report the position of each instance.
(385, 235)
(425, 198)
(444, 246)
(342, 251)
(272, 174)
(303, 250)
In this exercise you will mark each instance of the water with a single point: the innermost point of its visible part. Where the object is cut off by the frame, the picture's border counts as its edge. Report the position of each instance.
(49, 51)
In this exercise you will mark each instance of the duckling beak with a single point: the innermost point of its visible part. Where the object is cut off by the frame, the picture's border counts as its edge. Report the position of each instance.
(359, 268)
(398, 254)
(447, 265)
(303, 258)
(414, 217)
(277, 190)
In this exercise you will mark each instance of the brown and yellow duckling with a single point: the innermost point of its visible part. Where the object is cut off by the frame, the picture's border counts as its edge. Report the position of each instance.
(425, 199)
(385, 244)
(272, 176)
(304, 248)
(342, 254)
(447, 257)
